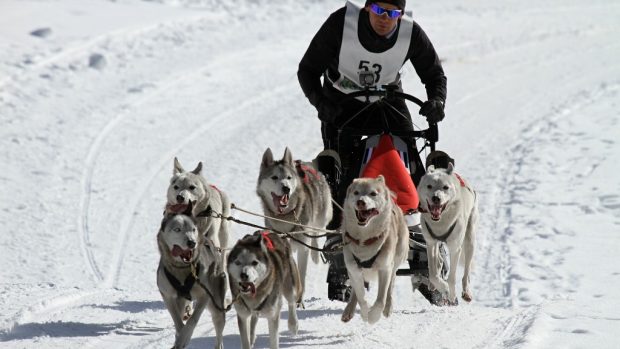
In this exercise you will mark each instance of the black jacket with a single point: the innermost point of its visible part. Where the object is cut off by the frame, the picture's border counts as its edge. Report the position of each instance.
(322, 57)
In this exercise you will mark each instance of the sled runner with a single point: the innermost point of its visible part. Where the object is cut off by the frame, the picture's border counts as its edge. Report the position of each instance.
(396, 156)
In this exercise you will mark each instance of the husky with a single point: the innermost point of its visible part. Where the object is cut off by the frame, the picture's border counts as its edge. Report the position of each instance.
(261, 270)
(189, 271)
(298, 193)
(192, 186)
(449, 208)
(376, 241)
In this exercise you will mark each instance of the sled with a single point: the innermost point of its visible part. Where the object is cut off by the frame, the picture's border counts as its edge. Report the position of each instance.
(397, 164)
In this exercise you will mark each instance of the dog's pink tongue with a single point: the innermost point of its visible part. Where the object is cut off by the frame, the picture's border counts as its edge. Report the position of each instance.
(284, 200)
(177, 251)
(177, 208)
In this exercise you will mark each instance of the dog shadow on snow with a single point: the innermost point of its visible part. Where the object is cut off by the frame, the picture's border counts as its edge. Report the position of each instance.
(58, 329)
(286, 338)
(61, 329)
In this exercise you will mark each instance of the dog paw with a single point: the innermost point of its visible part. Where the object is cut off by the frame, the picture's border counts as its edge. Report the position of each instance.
(375, 313)
(467, 297)
(349, 312)
(293, 326)
(364, 314)
(387, 311)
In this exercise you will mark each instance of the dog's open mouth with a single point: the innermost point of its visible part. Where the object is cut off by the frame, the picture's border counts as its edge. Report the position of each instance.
(186, 255)
(436, 210)
(363, 216)
(280, 202)
(176, 208)
(247, 287)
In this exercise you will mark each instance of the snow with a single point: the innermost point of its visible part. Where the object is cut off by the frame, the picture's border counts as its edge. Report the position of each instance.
(533, 121)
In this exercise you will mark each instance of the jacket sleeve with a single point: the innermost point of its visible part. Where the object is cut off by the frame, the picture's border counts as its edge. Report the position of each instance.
(323, 51)
(427, 65)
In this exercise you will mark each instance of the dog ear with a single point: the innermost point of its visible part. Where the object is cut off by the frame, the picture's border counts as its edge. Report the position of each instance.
(288, 157)
(177, 167)
(267, 158)
(380, 179)
(450, 168)
(198, 169)
(430, 169)
(163, 223)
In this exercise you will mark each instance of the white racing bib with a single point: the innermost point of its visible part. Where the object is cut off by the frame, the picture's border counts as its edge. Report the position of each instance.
(384, 67)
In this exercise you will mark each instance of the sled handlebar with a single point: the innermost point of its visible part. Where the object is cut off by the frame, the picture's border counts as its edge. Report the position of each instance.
(431, 134)
(388, 91)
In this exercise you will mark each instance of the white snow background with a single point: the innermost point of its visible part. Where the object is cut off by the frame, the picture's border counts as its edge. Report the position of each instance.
(95, 104)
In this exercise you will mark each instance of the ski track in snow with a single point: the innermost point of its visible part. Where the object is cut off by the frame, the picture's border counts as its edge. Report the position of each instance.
(516, 314)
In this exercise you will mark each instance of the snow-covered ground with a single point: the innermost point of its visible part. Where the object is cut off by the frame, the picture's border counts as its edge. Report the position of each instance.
(94, 108)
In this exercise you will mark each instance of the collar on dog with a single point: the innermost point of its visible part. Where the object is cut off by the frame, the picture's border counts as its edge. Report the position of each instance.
(183, 290)
(368, 242)
(260, 306)
(443, 237)
(368, 263)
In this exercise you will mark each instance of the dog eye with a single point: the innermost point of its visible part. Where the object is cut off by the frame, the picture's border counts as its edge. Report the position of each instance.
(275, 178)
(254, 263)
(374, 193)
(356, 193)
(192, 187)
(176, 187)
(445, 187)
(289, 177)
(237, 263)
(177, 230)
(429, 187)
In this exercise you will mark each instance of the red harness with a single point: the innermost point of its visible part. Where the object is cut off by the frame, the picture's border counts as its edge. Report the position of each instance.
(460, 179)
(267, 239)
(306, 172)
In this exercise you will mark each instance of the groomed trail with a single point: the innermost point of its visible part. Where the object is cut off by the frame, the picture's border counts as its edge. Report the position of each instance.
(93, 114)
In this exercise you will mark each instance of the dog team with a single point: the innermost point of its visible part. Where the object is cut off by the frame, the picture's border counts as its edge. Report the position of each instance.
(198, 266)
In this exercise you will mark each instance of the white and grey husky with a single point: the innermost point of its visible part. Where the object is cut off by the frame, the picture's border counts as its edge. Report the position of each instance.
(262, 270)
(297, 193)
(376, 243)
(189, 271)
(449, 209)
(191, 186)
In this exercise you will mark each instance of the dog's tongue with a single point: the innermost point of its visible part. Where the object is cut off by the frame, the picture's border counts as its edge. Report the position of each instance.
(186, 255)
(435, 211)
(280, 202)
(248, 285)
(176, 208)
(284, 200)
(364, 215)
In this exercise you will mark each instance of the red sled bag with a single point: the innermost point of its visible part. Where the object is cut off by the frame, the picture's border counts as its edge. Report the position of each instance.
(387, 155)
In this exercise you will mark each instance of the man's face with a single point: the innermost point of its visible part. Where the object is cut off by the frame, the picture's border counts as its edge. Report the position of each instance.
(382, 24)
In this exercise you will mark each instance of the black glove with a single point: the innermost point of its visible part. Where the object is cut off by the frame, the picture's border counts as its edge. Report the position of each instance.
(328, 111)
(433, 110)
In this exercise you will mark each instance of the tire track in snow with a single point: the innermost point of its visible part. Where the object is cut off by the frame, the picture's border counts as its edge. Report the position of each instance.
(165, 161)
(90, 163)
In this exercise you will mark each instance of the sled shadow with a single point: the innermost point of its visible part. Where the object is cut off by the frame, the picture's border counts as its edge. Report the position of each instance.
(230, 341)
